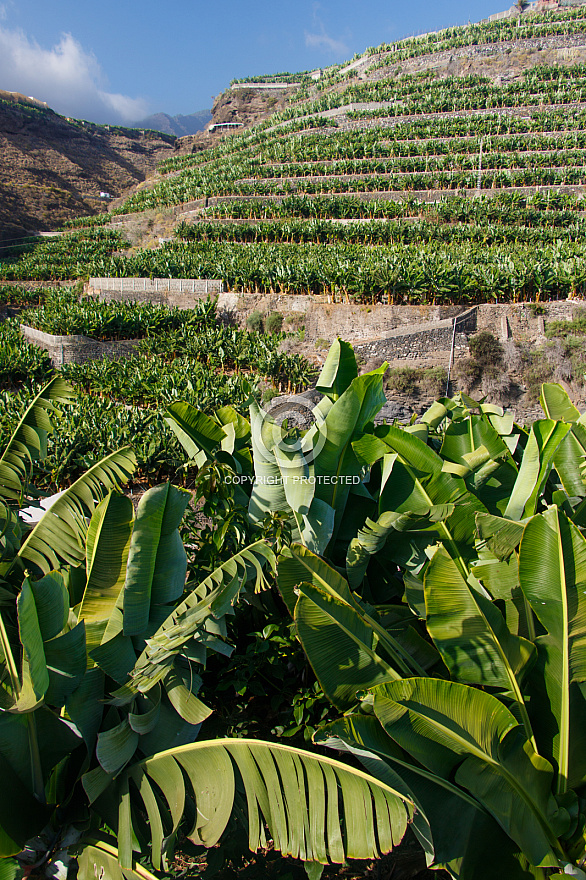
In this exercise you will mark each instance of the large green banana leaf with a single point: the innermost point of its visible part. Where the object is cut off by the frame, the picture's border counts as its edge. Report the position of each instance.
(157, 562)
(544, 440)
(268, 493)
(569, 461)
(199, 434)
(414, 482)
(336, 461)
(454, 830)
(285, 481)
(342, 640)
(552, 573)
(463, 438)
(465, 734)
(341, 645)
(373, 537)
(30, 744)
(316, 808)
(107, 546)
(338, 371)
(29, 440)
(472, 635)
(61, 533)
(99, 859)
(556, 403)
(55, 657)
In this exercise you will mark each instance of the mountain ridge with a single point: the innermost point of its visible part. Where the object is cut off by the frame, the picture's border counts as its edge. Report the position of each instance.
(179, 125)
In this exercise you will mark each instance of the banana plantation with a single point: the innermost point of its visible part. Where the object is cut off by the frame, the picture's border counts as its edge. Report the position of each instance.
(433, 578)
(236, 646)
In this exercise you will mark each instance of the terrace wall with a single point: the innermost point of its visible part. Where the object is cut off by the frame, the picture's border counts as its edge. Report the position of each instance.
(390, 332)
(77, 349)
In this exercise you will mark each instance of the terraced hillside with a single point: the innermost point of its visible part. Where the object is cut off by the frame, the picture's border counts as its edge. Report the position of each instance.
(440, 184)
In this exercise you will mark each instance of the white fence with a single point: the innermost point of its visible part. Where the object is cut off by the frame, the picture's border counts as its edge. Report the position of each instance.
(158, 285)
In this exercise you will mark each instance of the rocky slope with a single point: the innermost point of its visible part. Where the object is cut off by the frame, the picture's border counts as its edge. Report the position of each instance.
(54, 168)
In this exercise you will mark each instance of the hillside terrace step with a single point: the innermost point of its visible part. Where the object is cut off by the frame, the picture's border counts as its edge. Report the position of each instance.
(424, 195)
(342, 112)
(315, 178)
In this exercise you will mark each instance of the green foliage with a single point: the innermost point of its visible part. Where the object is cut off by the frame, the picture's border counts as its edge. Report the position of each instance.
(536, 371)
(485, 361)
(274, 322)
(13, 295)
(255, 321)
(403, 380)
(564, 329)
(70, 256)
(117, 320)
(486, 350)
(20, 361)
(126, 628)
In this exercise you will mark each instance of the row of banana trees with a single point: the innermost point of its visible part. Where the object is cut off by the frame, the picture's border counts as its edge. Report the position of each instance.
(421, 273)
(566, 22)
(378, 145)
(379, 232)
(435, 579)
(451, 161)
(416, 181)
(116, 320)
(66, 257)
(542, 209)
(20, 361)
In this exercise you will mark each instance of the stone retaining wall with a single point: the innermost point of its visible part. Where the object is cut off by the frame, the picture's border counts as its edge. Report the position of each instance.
(393, 333)
(78, 349)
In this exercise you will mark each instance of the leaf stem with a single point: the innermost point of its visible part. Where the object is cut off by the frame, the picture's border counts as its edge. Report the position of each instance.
(9, 657)
(36, 768)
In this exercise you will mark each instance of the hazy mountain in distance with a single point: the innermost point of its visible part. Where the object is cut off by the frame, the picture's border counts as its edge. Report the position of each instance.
(178, 125)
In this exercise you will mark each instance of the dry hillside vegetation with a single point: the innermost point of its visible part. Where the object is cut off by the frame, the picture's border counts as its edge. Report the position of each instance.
(54, 168)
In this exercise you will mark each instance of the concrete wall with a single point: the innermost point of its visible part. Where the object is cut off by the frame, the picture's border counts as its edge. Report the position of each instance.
(77, 349)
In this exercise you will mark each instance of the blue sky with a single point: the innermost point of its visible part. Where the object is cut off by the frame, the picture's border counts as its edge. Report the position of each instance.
(118, 60)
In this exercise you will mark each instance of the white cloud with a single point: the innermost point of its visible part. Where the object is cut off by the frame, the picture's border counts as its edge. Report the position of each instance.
(66, 76)
(323, 41)
(319, 39)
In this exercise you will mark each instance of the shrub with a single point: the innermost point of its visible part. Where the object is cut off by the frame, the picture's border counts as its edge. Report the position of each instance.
(434, 380)
(274, 322)
(296, 321)
(486, 350)
(255, 321)
(485, 361)
(537, 370)
(404, 380)
(563, 329)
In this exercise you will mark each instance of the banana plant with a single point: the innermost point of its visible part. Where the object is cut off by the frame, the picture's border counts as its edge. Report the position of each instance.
(99, 691)
(464, 687)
